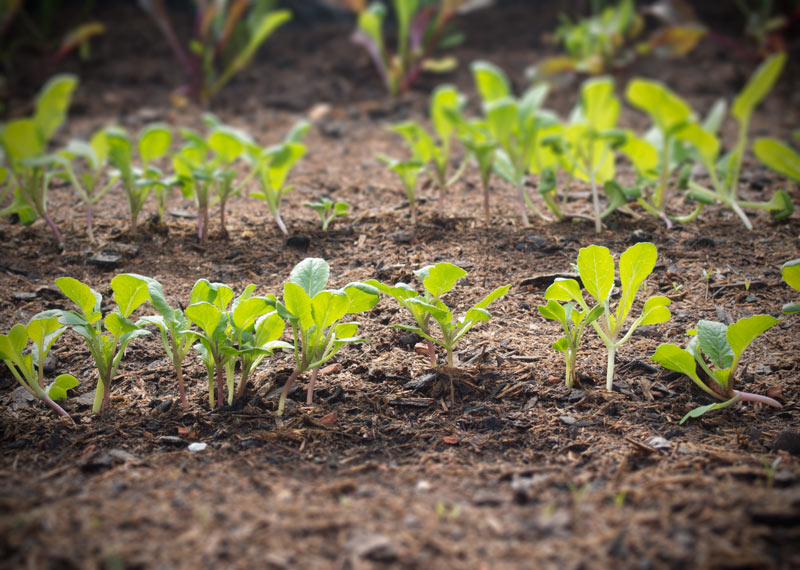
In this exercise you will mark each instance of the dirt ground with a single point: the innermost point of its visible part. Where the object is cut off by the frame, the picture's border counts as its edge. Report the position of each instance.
(384, 471)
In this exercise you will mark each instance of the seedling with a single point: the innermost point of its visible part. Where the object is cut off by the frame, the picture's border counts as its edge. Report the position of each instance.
(428, 308)
(273, 166)
(106, 337)
(90, 184)
(790, 271)
(596, 271)
(476, 138)
(573, 321)
(779, 157)
(707, 273)
(226, 38)
(422, 28)
(446, 102)
(175, 337)
(724, 173)
(770, 469)
(716, 349)
(24, 143)
(409, 172)
(315, 315)
(138, 182)
(328, 210)
(28, 366)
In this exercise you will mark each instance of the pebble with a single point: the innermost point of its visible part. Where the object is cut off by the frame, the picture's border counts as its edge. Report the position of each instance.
(197, 446)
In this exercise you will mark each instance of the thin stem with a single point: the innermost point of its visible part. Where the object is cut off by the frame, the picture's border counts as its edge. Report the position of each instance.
(598, 222)
(181, 389)
(431, 352)
(220, 380)
(311, 384)
(750, 397)
(281, 225)
(58, 409)
(612, 349)
(285, 391)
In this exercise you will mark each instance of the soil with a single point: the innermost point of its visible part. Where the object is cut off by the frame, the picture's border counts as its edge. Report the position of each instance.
(384, 470)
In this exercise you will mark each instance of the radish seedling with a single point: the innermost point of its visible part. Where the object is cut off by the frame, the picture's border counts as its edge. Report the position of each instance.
(717, 349)
(790, 271)
(28, 366)
(475, 137)
(328, 210)
(106, 337)
(408, 171)
(24, 143)
(596, 271)
(315, 315)
(428, 308)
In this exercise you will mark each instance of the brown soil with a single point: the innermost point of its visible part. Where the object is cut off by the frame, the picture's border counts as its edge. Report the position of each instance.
(518, 472)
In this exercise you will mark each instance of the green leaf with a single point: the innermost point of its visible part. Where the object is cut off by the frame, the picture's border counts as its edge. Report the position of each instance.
(697, 412)
(206, 316)
(714, 343)
(21, 141)
(444, 98)
(655, 311)
(118, 325)
(52, 104)
(673, 357)
(298, 304)
(635, 264)
(757, 88)
(564, 290)
(596, 268)
(327, 307)
(441, 314)
(492, 297)
(225, 142)
(490, 81)
(502, 118)
(599, 104)
(87, 299)
(44, 328)
(311, 274)
(159, 301)
(154, 142)
(362, 297)
(248, 310)
(58, 389)
(744, 331)
(790, 271)
(441, 278)
(666, 109)
(790, 308)
(13, 344)
(130, 291)
(119, 149)
(706, 143)
(779, 157)
(346, 330)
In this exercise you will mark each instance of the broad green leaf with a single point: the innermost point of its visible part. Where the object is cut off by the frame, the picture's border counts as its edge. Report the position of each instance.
(744, 331)
(99, 146)
(269, 328)
(444, 97)
(790, 308)
(443, 316)
(779, 157)
(564, 290)
(130, 291)
(311, 274)
(58, 389)
(422, 145)
(655, 311)
(13, 344)
(714, 344)
(490, 81)
(501, 117)
(298, 303)
(346, 330)
(492, 297)
(441, 278)
(697, 412)
(226, 144)
(642, 154)
(44, 329)
(280, 163)
(248, 310)
(790, 271)
(599, 104)
(635, 264)
(706, 143)
(159, 301)
(206, 316)
(154, 142)
(553, 311)
(52, 104)
(675, 358)
(119, 149)
(87, 299)
(666, 109)
(596, 268)
(757, 88)
(561, 345)
(327, 307)
(118, 325)
(476, 315)
(21, 140)
(362, 297)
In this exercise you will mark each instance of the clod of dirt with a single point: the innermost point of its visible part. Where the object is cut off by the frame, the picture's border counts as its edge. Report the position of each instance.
(301, 243)
(789, 441)
(402, 236)
(375, 547)
(107, 261)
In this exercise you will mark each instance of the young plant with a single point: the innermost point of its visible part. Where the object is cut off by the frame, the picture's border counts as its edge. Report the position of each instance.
(596, 271)
(790, 271)
(226, 37)
(446, 102)
(106, 337)
(716, 349)
(422, 28)
(428, 308)
(172, 324)
(573, 320)
(89, 184)
(138, 182)
(724, 173)
(328, 210)
(408, 171)
(24, 143)
(315, 315)
(474, 135)
(778, 157)
(273, 166)
(28, 366)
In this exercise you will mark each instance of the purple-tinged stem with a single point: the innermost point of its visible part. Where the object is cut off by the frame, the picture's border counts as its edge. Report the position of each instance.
(53, 228)
(750, 397)
(281, 225)
(285, 391)
(311, 384)
(431, 352)
(220, 380)
(58, 409)
(181, 389)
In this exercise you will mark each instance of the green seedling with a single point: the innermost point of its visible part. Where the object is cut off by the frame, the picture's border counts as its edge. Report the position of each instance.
(28, 366)
(315, 315)
(172, 324)
(245, 328)
(226, 38)
(707, 273)
(24, 145)
(89, 184)
(596, 271)
(474, 135)
(409, 172)
(422, 28)
(790, 271)
(138, 181)
(446, 102)
(427, 307)
(770, 469)
(716, 349)
(328, 210)
(106, 337)
(724, 172)
(516, 125)
(779, 157)
(573, 321)
(273, 166)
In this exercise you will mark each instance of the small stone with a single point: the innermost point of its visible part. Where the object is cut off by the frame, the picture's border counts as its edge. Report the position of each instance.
(23, 295)
(21, 398)
(182, 214)
(197, 446)
(659, 444)
(639, 236)
(86, 400)
(164, 406)
(375, 547)
(402, 236)
(105, 261)
(170, 439)
(568, 420)
(319, 112)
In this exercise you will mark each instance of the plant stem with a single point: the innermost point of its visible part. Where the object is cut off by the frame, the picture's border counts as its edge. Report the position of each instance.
(58, 409)
(279, 221)
(53, 228)
(750, 397)
(431, 352)
(285, 391)
(181, 389)
(311, 384)
(612, 350)
(598, 223)
(220, 380)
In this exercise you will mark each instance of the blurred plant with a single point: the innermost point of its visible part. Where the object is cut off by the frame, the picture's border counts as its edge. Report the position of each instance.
(408, 171)
(790, 272)
(327, 210)
(226, 37)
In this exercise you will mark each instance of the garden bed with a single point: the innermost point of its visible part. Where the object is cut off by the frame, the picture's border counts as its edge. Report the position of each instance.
(384, 470)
